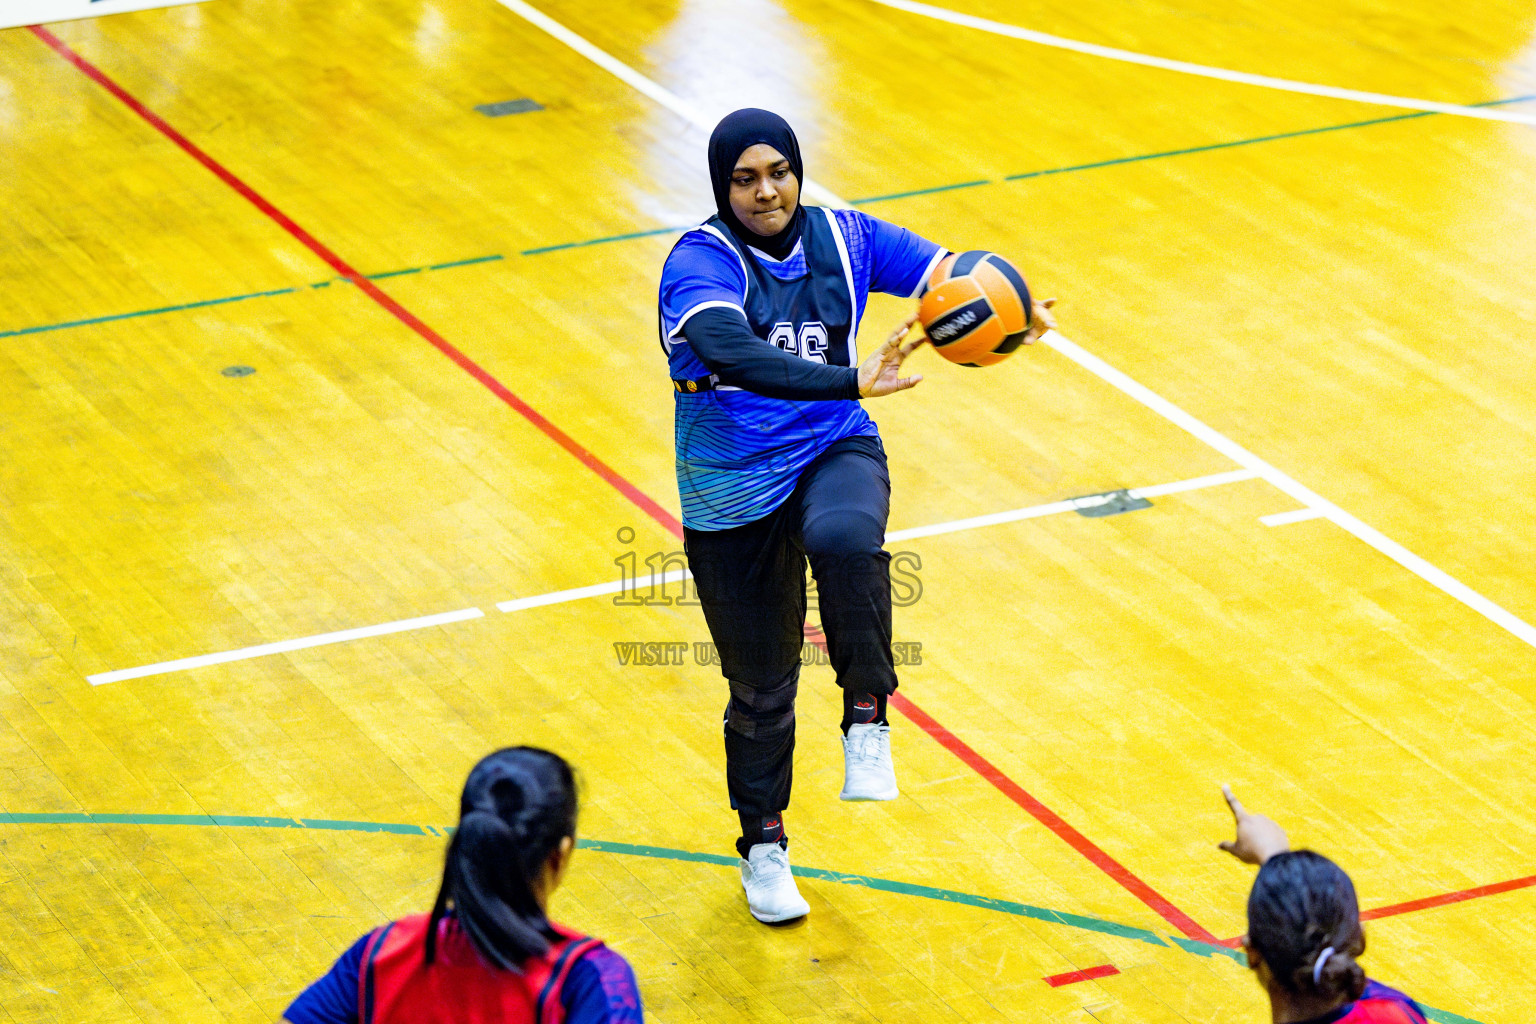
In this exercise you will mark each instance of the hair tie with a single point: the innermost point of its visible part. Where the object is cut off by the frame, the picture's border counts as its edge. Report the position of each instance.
(1317, 968)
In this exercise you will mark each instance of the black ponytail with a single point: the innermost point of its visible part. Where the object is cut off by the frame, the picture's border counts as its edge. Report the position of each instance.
(1304, 920)
(518, 804)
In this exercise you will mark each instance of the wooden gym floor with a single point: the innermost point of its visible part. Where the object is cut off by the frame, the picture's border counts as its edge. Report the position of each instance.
(457, 401)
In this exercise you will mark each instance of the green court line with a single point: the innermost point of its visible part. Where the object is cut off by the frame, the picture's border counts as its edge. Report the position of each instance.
(1446, 1016)
(1080, 921)
(921, 192)
(182, 307)
(464, 263)
(143, 312)
(601, 241)
(1248, 142)
(540, 250)
(1094, 924)
(1208, 949)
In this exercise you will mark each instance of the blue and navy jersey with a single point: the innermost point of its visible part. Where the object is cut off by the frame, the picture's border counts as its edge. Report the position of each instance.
(740, 454)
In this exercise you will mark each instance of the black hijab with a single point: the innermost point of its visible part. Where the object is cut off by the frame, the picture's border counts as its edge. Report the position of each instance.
(734, 135)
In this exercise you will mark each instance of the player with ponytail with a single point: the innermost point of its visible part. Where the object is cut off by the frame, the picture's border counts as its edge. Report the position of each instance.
(1304, 936)
(488, 950)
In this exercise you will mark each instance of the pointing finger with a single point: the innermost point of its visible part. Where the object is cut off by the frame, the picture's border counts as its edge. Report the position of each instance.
(1237, 808)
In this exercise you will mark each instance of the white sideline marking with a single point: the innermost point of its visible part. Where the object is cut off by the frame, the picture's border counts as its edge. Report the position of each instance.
(608, 63)
(1203, 70)
(618, 586)
(319, 640)
(1093, 364)
(1198, 483)
(596, 590)
(16, 13)
(660, 93)
(1070, 505)
(1304, 495)
(1299, 515)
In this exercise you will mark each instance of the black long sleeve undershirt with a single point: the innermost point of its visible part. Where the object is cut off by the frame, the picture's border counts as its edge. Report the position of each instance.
(723, 342)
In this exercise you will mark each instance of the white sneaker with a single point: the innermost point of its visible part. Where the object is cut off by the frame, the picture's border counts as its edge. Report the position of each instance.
(771, 892)
(868, 773)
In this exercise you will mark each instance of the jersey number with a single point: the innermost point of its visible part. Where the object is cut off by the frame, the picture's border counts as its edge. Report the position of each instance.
(810, 342)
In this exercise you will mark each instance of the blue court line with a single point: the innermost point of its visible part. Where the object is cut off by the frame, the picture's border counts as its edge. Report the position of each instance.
(629, 236)
(1080, 921)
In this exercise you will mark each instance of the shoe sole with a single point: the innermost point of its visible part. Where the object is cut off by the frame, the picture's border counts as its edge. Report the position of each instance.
(890, 794)
(781, 918)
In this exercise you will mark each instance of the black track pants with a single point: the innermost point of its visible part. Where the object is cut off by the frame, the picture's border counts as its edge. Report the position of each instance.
(751, 583)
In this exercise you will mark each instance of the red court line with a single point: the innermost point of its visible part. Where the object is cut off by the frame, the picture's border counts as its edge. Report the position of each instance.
(368, 288)
(1045, 815)
(1041, 813)
(1053, 821)
(1073, 977)
(1432, 902)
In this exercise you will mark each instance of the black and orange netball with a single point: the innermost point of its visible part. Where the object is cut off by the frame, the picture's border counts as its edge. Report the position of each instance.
(976, 310)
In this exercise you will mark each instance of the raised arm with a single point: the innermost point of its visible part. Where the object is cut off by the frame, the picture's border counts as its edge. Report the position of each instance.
(1258, 837)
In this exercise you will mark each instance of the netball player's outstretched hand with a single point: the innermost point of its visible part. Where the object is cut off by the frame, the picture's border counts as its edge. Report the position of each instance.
(1258, 837)
(879, 374)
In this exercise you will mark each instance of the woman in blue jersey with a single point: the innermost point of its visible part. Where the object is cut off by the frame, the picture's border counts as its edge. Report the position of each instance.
(778, 464)
(487, 953)
(1304, 933)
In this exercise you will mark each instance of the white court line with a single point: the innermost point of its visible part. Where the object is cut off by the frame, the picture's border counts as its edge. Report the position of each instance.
(1304, 495)
(1070, 505)
(319, 640)
(1299, 515)
(1198, 483)
(953, 526)
(596, 590)
(17, 13)
(936, 529)
(1204, 71)
(660, 93)
(1093, 364)
(619, 586)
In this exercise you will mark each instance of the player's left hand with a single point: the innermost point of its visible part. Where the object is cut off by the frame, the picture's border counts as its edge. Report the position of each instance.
(880, 373)
(1040, 320)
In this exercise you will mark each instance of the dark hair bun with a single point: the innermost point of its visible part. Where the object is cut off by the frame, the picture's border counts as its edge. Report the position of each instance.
(1340, 976)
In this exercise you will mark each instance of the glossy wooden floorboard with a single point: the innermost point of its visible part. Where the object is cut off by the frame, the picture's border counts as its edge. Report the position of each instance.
(1351, 303)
